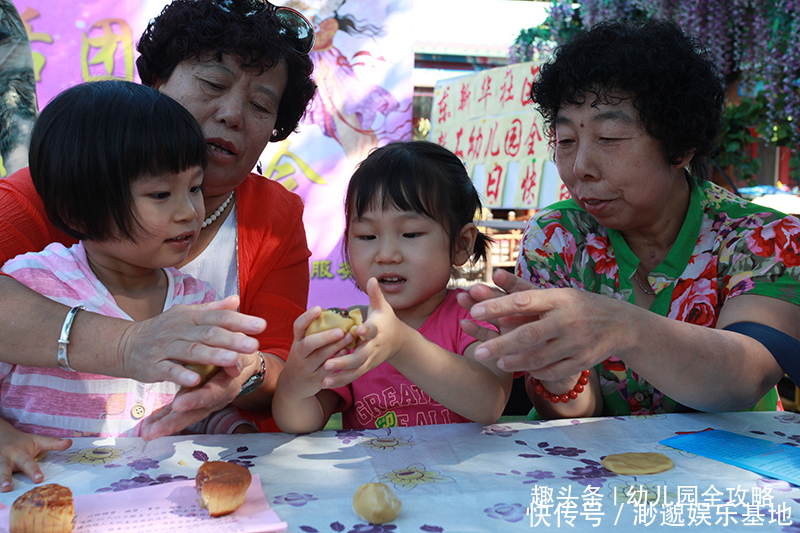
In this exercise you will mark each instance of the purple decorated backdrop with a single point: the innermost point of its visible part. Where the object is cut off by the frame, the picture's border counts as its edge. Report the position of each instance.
(363, 64)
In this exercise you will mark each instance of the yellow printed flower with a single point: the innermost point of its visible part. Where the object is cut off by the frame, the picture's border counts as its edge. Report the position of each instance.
(413, 475)
(387, 444)
(96, 456)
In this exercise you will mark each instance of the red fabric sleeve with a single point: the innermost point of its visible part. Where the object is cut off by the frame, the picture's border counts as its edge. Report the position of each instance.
(24, 226)
(273, 259)
(273, 267)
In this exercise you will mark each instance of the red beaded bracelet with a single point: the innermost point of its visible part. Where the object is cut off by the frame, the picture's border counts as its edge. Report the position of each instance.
(571, 395)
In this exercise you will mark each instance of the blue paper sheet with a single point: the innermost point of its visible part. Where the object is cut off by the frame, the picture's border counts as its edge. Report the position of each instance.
(773, 459)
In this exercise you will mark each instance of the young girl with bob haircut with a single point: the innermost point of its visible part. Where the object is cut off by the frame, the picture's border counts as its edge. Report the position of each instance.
(409, 220)
(119, 166)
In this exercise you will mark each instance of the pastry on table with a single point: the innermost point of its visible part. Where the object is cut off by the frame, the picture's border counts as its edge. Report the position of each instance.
(376, 503)
(222, 486)
(43, 509)
(337, 317)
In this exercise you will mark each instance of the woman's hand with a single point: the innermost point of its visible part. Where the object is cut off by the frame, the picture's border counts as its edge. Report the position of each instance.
(381, 338)
(551, 333)
(192, 405)
(18, 452)
(214, 333)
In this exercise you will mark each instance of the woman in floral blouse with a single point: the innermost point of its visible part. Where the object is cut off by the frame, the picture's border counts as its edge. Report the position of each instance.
(647, 264)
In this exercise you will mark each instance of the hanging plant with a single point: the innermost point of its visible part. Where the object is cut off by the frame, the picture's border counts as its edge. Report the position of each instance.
(754, 43)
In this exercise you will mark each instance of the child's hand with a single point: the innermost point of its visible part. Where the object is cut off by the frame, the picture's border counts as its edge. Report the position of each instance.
(382, 337)
(303, 374)
(18, 451)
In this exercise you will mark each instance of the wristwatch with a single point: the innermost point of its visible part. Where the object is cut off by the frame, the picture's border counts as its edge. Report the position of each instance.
(254, 381)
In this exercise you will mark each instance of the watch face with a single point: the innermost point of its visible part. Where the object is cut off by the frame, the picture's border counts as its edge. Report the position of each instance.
(250, 385)
(254, 381)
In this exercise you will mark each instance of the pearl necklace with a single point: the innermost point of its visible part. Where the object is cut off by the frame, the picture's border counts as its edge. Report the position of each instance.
(218, 212)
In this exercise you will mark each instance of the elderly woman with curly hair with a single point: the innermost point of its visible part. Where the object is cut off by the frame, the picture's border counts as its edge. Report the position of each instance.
(241, 69)
(654, 291)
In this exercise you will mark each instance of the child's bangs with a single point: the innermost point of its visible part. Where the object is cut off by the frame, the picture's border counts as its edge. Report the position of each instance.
(405, 189)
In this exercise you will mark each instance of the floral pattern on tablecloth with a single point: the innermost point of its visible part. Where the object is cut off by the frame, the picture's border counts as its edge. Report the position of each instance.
(407, 478)
(459, 477)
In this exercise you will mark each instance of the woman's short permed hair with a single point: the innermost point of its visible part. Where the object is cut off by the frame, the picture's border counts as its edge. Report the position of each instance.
(193, 29)
(672, 82)
(93, 140)
(417, 176)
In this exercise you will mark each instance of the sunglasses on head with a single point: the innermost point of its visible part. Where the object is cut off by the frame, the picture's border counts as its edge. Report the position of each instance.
(292, 25)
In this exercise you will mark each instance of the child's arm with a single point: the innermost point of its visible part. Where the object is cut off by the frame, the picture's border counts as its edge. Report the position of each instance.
(443, 375)
(588, 403)
(18, 451)
(299, 404)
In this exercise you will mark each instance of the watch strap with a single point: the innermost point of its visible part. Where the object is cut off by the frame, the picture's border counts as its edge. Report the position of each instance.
(254, 381)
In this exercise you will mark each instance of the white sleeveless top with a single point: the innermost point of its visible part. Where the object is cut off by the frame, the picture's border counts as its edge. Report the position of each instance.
(213, 265)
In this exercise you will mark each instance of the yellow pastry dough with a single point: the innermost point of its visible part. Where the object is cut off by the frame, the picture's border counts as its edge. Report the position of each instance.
(206, 371)
(376, 503)
(637, 463)
(337, 318)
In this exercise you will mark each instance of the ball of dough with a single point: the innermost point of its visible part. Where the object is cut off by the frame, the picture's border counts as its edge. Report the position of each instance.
(336, 317)
(637, 463)
(376, 503)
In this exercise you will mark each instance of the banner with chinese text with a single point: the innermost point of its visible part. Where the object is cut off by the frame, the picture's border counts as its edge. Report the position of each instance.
(487, 120)
(363, 61)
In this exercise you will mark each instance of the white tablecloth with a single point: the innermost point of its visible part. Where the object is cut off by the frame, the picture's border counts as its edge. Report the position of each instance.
(467, 477)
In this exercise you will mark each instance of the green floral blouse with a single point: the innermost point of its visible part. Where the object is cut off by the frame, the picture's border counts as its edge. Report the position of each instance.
(726, 247)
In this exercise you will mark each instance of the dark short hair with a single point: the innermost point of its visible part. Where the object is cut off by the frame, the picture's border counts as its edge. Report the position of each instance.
(672, 81)
(93, 140)
(417, 176)
(192, 29)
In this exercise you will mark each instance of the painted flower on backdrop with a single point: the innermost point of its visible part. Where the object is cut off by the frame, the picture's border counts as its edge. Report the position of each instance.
(407, 478)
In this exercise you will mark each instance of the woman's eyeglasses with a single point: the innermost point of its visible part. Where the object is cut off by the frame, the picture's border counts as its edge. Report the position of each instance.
(292, 25)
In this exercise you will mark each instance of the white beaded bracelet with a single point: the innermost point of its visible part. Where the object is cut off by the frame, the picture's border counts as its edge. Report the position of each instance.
(63, 340)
